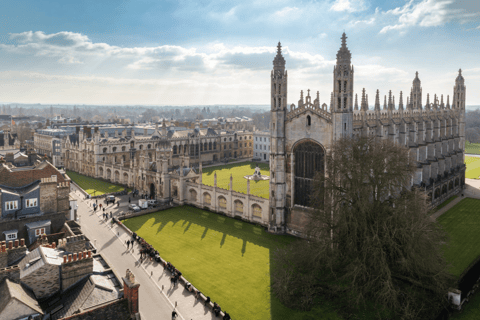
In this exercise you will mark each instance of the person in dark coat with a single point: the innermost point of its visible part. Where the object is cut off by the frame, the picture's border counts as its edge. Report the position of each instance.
(174, 314)
(207, 301)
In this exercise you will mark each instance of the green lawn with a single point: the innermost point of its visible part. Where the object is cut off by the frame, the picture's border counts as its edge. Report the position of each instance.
(238, 171)
(472, 148)
(462, 223)
(226, 259)
(94, 186)
(473, 167)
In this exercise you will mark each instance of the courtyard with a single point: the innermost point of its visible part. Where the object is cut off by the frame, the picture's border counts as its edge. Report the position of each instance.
(238, 171)
(92, 186)
(226, 259)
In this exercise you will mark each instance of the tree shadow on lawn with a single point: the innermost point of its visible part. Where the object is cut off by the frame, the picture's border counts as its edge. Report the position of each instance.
(211, 170)
(210, 221)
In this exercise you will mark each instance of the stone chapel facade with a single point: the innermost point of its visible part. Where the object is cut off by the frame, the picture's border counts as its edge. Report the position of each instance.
(301, 135)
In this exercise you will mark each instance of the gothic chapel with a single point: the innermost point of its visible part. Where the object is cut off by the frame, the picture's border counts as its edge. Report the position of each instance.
(301, 135)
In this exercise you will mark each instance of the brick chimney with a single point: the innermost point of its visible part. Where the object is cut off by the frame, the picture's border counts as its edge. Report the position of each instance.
(130, 292)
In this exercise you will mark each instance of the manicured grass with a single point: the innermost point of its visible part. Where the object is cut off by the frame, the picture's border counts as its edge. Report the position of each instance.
(473, 167)
(462, 223)
(238, 171)
(94, 186)
(472, 148)
(443, 204)
(226, 259)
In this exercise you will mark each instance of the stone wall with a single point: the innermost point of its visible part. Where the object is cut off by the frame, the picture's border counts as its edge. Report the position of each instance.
(63, 196)
(12, 273)
(117, 309)
(12, 252)
(75, 267)
(43, 281)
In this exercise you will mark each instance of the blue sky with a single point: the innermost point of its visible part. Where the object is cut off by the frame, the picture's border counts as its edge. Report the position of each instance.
(221, 52)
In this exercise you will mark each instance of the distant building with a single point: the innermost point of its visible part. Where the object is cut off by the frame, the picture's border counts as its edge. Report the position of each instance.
(9, 141)
(261, 145)
(48, 142)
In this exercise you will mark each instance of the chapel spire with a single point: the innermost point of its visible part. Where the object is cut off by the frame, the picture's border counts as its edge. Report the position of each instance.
(279, 61)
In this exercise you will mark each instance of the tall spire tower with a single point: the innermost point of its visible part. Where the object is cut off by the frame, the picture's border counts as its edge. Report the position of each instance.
(277, 143)
(342, 114)
(416, 94)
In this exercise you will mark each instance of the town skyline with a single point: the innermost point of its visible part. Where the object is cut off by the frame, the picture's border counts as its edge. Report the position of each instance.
(213, 53)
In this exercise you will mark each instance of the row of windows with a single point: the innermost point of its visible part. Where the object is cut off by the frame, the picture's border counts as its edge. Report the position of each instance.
(260, 139)
(260, 147)
(13, 205)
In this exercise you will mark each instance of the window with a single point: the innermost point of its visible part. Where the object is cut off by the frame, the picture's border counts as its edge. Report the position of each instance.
(222, 202)
(123, 148)
(11, 236)
(39, 231)
(11, 205)
(29, 203)
(104, 150)
(256, 138)
(257, 211)
(309, 121)
(264, 147)
(264, 139)
(114, 149)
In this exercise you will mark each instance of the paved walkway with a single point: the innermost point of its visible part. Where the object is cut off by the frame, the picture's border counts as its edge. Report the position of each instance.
(472, 190)
(156, 297)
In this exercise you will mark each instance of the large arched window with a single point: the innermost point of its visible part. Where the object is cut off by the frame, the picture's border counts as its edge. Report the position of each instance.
(309, 159)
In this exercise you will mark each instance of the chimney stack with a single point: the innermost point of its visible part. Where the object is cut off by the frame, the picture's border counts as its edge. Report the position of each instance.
(130, 292)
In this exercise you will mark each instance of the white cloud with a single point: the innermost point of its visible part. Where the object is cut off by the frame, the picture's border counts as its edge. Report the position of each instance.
(348, 5)
(288, 12)
(427, 13)
(370, 21)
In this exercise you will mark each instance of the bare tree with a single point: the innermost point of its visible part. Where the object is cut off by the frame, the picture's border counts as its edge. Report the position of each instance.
(371, 239)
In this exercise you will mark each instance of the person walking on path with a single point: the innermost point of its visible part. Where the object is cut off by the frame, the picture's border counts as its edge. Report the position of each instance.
(129, 200)
(174, 314)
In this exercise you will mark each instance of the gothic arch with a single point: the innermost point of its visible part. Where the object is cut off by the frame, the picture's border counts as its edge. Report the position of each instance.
(256, 210)
(207, 198)
(222, 202)
(238, 207)
(309, 159)
(193, 195)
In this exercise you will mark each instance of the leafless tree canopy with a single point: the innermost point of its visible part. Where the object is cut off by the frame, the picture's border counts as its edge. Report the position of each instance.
(370, 237)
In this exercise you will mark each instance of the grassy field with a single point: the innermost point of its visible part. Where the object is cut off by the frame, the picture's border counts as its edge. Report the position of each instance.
(473, 167)
(462, 223)
(238, 171)
(226, 259)
(94, 186)
(472, 148)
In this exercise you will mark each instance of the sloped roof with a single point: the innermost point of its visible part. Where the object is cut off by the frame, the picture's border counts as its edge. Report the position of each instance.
(20, 177)
(15, 291)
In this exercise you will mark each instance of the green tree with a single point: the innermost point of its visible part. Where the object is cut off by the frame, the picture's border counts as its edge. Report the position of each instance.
(371, 240)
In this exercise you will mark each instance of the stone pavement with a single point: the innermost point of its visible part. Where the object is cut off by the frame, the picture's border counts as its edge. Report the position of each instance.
(156, 297)
(472, 190)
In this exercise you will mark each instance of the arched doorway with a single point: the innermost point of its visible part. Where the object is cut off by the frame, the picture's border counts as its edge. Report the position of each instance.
(152, 191)
(309, 159)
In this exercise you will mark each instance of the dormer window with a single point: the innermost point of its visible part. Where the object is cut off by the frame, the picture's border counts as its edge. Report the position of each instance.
(11, 205)
(29, 203)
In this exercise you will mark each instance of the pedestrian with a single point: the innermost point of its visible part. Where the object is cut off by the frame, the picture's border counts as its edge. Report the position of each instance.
(103, 215)
(111, 215)
(96, 201)
(207, 300)
(103, 209)
(128, 244)
(129, 199)
(118, 204)
(174, 314)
